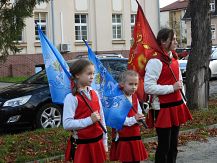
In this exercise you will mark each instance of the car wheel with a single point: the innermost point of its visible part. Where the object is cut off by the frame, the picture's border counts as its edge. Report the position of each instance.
(49, 116)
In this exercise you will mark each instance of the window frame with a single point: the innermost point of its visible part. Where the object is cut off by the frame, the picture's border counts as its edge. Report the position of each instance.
(116, 25)
(132, 24)
(213, 34)
(80, 25)
(41, 24)
(212, 6)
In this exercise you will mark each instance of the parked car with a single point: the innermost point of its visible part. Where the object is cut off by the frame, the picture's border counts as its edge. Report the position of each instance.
(182, 65)
(183, 52)
(29, 104)
(212, 65)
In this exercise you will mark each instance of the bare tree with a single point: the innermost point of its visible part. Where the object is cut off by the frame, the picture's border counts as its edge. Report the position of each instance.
(197, 77)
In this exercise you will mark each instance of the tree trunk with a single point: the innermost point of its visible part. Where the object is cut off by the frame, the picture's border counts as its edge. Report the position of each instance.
(197, 78)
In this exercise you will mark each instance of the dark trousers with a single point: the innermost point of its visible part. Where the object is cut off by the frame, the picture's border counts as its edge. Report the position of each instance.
(167, 145)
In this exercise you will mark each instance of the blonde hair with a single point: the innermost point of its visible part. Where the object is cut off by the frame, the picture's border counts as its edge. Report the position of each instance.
(123, 76)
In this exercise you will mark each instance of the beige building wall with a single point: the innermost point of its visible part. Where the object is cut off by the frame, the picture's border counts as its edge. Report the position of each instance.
(188, 26)
(164, 19)
(152, 12)
(99, 24)
(173, 19)
(214, 33)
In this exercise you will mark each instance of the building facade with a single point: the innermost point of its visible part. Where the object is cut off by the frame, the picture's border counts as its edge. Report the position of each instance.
(106, 24)
(171, 16)
(213, 10)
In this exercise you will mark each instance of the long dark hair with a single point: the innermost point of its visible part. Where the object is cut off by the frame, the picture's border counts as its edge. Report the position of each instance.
(77, 67)
(164, 34)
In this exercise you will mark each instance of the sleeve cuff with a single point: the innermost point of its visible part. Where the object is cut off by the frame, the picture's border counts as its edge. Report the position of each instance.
(134, 120)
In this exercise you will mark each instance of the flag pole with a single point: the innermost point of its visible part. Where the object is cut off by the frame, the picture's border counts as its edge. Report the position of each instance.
(164, 60)
(103, 128)
(183, 95)
(141, 120)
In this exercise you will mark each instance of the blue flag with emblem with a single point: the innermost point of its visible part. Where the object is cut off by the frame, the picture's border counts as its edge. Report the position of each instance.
(115, 104)
(57, 70)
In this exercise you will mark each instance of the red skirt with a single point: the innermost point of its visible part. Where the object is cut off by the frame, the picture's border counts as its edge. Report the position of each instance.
(113, 154)
(90, 153)
(173, 116)
(127, 151)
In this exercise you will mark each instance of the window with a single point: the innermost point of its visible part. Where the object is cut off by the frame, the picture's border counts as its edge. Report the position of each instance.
(80, 27)
(117, 26)
(212, 5)
(213, 31)
(132, 23)
(41, 20)
(20, 37)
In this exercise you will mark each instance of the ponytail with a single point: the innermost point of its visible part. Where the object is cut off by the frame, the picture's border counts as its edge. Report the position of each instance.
(74, 86)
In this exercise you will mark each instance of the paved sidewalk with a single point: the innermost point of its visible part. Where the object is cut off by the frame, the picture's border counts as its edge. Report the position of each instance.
(3, 85)
(197, 152)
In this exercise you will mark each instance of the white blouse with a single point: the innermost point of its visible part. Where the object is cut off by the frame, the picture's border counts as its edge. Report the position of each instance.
(69, 123)
(153, 71)
(130, 121)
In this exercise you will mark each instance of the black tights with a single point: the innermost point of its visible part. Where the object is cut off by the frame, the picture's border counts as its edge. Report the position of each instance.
(167, 144)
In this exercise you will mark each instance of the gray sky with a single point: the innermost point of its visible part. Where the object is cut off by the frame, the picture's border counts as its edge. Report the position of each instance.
(166, 2)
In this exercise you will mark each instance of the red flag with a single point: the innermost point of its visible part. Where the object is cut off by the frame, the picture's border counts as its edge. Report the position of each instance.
(145, 47)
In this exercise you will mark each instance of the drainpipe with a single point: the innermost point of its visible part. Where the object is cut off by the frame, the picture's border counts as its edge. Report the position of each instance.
(158, 7)
(52, 19)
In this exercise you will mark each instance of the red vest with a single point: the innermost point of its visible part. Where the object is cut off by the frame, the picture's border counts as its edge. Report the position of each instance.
(166, 78)
(129, 131)
(82, 111)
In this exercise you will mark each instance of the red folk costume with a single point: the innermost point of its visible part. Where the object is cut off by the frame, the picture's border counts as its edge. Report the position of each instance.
(173, 110)
(90, 148)
(129, 146)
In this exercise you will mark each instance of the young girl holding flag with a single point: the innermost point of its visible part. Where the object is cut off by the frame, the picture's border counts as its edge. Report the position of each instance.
(78, 117)
(127, 145)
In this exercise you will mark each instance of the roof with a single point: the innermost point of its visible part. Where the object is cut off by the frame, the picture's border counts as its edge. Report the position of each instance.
(178, 5)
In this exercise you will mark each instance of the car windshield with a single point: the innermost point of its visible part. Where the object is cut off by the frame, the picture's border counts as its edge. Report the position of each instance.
(39, 78)
(115, 67)
(214, 55)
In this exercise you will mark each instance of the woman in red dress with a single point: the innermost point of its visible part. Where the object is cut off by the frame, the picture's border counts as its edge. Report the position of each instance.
(168, 107)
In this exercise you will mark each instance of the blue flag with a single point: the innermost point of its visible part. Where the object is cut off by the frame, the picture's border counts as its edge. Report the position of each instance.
(115, 104)
(57, 70)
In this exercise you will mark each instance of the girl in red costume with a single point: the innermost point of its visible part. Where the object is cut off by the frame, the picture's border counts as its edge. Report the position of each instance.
(77, 117)
(168, 107)
(127, 145)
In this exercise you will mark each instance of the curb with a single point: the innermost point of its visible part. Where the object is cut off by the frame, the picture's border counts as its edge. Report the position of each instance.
(47, 160)
(145, 140)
